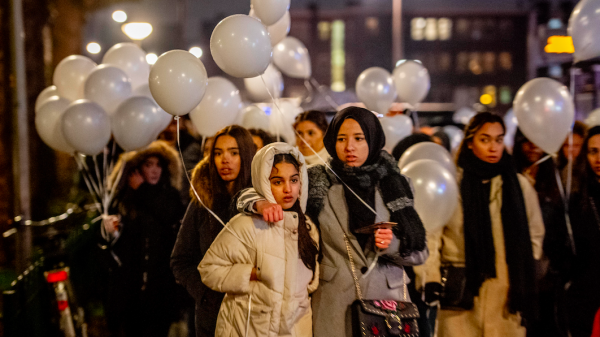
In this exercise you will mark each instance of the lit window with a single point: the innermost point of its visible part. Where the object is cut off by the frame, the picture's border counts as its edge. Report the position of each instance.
(445, 28)
(372, 24)
(444, 62)
(462, 28)
(555, 71)
(324, 28)
(338, 56)
(505, 95)
(475, 63)
(431, 31)
(417, 29)
(506, 61)
(489, 62)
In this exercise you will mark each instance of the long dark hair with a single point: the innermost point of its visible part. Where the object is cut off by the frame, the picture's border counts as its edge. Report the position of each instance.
(476, 123)
(206, 178)
(315, 116)
(307, 247)
(588, 175)
(580, 129)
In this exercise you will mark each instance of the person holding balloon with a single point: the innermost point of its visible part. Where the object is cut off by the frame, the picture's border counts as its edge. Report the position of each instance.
(310, 129)
(583, 297)
(142, 292)
(483, 260)
(367, 187)
(216, 179)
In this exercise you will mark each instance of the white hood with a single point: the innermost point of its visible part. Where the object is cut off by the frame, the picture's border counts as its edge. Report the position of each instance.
(262, 164)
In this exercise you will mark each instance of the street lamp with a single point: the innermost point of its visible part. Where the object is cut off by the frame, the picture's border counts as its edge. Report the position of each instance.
(151, 58)
(137, 30)
(93, 48)
(196, 51)
(119, 16)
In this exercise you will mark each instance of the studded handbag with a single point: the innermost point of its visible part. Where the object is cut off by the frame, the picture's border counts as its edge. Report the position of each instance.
(381, 318)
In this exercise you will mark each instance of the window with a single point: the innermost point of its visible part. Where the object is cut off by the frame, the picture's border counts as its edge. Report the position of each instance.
(372, 24)
(505, 95)
(489, 62)
(462, 60)
(463, 27)
(417, 29)
(444, 29)
(338, 56)
(506, 61)
(431, 31)
(324, 28)
(444, 62)
(475, 63)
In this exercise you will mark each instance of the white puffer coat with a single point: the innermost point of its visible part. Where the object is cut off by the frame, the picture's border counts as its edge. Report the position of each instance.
(278, 304)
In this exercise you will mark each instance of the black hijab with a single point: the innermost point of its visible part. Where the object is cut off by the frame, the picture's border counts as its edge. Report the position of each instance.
(407, 142)
(380, 169)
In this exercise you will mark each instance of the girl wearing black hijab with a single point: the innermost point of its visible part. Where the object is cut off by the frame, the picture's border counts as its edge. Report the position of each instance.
(583, 296)
(495, 235)
(355, 141)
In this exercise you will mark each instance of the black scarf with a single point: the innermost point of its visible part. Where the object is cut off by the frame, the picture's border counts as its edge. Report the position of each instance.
(380, 169)
(480, 254)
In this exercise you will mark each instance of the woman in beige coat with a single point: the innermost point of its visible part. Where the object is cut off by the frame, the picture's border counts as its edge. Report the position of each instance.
(267, 269)
(496, 235)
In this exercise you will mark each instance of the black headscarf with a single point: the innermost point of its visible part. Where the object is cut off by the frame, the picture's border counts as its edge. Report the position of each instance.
(407, 142)
(480, 254)
(443, 136)
(380, 169)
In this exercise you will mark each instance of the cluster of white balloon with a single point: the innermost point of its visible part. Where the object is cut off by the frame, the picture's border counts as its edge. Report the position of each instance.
(89, 102)
(378, 89)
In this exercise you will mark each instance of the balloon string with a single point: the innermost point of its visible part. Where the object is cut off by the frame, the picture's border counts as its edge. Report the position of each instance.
(99, 178)
(566, 207)
(541, 160)
(320, 158)
(328, 98)
(309, 92)
(86, 180)
(569, 167)
(190, 180)
(90, 177)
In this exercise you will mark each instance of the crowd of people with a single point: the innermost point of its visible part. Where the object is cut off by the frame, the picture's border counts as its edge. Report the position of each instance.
(278, 240)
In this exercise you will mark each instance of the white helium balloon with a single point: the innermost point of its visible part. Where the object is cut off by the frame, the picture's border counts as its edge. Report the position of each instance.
(254, 117)
(241, 47)
(164, 117)
(395, 129)
(131, 59)
(376, 89)
(456, 136)
(70, 74)
(49, 126)
(428, 150)
(511, 128)
(44, 95)
(463, 115)
(280, 29)
(593, 119)
(270, 11)
(436, 192)
(584, 25)
(108, 86)
(256, 87)
(412, 81)
(178, 81)
(135, 122)
(292, 58)
(86, 127)
(218, 108)
(545, 112)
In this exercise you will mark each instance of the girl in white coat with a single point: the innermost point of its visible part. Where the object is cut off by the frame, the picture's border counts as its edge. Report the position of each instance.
(267, 270)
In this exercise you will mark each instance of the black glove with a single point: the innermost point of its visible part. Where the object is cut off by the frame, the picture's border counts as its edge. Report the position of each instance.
(432, 292)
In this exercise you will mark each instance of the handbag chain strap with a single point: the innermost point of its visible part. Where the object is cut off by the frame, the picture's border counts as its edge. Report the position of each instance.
(353, 269)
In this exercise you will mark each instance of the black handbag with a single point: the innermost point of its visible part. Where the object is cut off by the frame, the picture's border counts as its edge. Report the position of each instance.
(455, 294)
(381, 318)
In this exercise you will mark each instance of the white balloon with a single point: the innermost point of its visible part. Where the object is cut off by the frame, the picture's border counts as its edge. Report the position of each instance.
(412, 81)
(270, 11)
(178, 81)
(436, 192)
(49, 126)
(428, 150)
(44, 95)
(593, 119)
(292, 58)
(456, 136)
(463, 115)
(70, 74)
(511, 128)
(86, 127)
(545, 112)
(254, 117)
(395, 129)
(164, 118)
(108, 86)
(135, 122)
(241, 47)
(584, 25)
(218, 108)
(280, 29)
(131, 59)
(256, 87)
(376, 89)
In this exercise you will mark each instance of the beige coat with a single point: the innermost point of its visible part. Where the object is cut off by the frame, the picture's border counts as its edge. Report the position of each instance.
(278, 304)
(489, 316)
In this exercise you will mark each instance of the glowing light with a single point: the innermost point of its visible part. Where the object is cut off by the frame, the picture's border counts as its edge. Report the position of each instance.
(151, 58)
(486, 99)
(560, 44)
(119, 16)
(93, 48)
(196, 51)
(137, 30)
